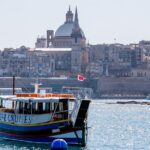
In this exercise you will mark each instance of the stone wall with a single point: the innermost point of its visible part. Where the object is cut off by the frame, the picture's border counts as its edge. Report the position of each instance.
(26, 83)
(123, 85)
(103, 85)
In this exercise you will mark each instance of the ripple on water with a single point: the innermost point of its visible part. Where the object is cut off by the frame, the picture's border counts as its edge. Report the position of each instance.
(119, 127)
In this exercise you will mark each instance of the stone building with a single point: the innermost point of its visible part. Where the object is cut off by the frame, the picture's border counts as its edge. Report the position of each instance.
(26, 63)
(63, 52)
(41, 42)
(68, 35)
(117, 59)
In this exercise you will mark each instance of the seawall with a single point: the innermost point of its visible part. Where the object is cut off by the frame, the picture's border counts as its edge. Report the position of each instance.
(123, 86)
(26, 83)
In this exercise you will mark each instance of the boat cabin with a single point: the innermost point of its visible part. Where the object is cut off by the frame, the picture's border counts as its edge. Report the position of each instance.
(59, 106)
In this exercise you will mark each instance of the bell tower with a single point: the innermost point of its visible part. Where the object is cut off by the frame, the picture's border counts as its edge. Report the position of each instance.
(76, 31)
(78, 48)
(50, 36)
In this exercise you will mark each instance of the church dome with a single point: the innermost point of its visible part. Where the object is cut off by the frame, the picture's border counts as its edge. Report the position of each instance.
(66, 30)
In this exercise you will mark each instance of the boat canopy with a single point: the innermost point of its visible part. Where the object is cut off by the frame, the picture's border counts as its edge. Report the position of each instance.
(32, 100)
(32, 97)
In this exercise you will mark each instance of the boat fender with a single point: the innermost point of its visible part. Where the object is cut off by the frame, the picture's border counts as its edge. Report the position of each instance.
(59, 144)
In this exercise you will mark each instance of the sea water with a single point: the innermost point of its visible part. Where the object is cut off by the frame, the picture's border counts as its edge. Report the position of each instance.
(111, 127)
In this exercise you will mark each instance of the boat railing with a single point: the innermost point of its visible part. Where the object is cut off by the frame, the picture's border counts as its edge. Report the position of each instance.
(59, 115)
(55, 110)
(62, 115)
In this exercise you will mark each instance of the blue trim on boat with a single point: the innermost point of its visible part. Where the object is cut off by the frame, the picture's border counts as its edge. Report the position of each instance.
(33, 128)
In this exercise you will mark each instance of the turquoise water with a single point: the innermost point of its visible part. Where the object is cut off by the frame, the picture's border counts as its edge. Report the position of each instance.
(111, 127)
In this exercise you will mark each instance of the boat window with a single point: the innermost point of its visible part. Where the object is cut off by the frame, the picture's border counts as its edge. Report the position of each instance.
(4, 103)
(36, 106)
(60, 106)
(56, 107)
(44, 105)
(14, 104)
(20, 107)
(71, 105)
(40, 107)
(23, 105)
(47, 107)
(17, 107)
(33, 107)
(27, 108)
(65, 105)
(1, 103)
(51, 107)
(61, 110)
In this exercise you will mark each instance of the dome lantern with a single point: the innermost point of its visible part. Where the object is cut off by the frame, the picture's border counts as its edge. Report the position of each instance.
(69, 16)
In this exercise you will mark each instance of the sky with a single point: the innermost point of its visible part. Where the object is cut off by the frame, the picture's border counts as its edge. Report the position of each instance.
(103, 21)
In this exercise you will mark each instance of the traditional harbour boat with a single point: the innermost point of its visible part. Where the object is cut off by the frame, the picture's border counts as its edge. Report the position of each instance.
(43, 117)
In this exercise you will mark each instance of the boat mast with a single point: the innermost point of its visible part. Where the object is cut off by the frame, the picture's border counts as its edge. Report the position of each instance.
(13, 85)
(36, 86)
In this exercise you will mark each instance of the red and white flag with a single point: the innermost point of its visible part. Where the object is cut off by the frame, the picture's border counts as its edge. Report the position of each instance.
(81, 78)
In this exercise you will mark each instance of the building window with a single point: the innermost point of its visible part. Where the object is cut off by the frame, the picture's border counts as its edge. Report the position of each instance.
(75, 39)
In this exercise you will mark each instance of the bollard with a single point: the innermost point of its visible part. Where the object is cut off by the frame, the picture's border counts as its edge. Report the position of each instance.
(59, 144)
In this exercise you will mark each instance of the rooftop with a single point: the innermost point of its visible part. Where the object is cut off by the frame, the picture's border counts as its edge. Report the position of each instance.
(52, 49)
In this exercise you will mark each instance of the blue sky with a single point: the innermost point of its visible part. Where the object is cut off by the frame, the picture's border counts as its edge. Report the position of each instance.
(21, 21)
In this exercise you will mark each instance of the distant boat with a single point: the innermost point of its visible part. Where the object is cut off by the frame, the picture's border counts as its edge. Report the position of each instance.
(43, 117)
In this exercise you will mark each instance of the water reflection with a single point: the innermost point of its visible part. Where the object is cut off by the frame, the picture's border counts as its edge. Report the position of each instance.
(13, 145)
